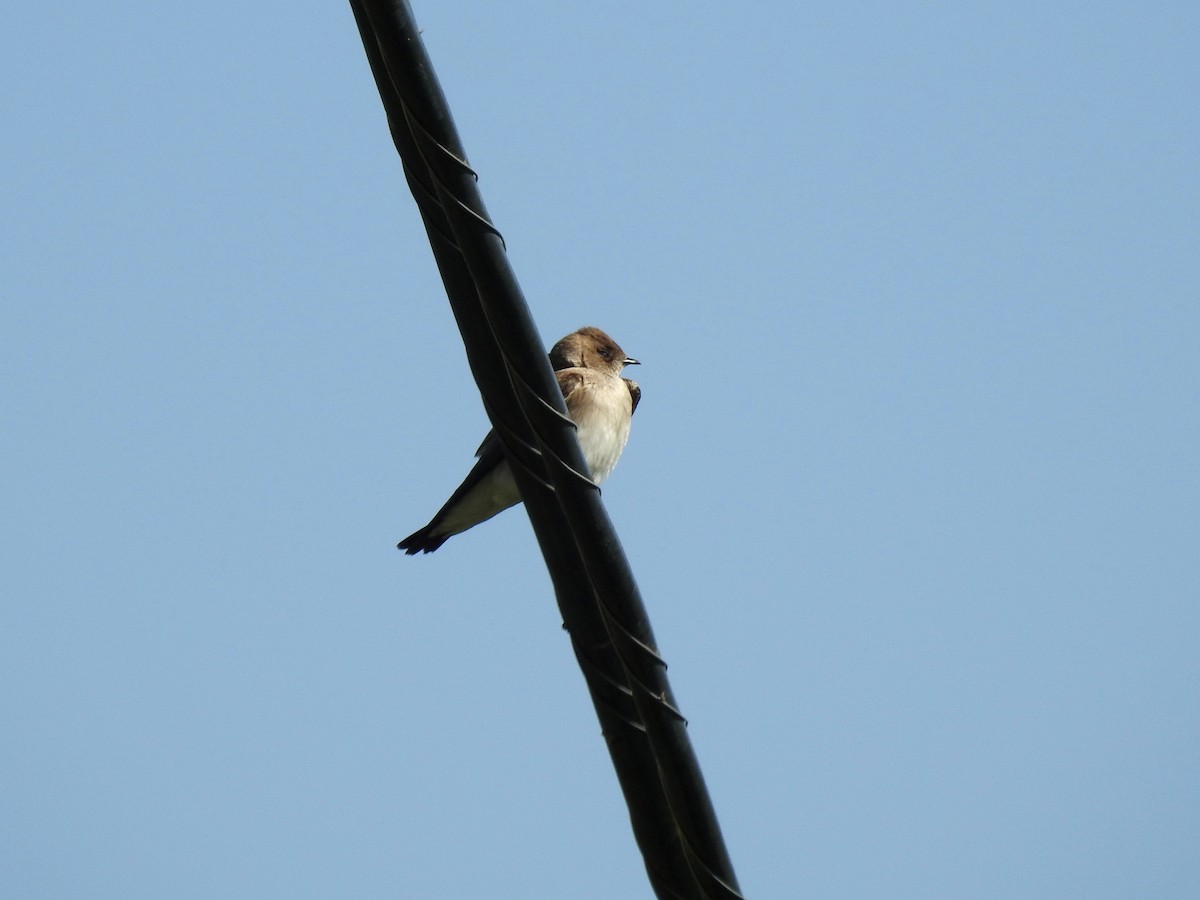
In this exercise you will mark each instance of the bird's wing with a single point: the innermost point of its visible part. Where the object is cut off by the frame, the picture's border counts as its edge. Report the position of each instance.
(635, 393)
(490, 445)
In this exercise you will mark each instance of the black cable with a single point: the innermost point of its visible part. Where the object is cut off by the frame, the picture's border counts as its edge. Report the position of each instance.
(672, 816)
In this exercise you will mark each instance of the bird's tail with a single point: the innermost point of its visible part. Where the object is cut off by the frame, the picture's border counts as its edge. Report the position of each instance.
(422, 541)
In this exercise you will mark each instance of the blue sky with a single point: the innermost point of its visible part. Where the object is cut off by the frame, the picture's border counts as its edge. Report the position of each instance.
(911, 495)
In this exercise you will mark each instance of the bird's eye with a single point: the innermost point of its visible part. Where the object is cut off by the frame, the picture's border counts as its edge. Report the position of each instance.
(605, 352)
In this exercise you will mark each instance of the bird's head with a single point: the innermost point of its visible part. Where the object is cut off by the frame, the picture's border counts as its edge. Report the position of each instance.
(590, 348)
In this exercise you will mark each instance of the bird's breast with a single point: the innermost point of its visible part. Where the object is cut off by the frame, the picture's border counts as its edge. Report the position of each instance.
(603, 423)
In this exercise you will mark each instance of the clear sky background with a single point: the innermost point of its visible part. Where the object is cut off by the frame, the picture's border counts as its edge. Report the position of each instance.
(911, 496)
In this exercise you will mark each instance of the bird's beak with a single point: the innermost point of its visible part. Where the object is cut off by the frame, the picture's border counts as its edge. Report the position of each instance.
(630, 361)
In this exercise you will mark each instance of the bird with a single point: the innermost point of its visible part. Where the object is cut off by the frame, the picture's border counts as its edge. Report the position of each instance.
(588, 365)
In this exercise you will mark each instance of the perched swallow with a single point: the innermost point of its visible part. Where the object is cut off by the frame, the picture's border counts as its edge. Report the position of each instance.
(600, 402)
